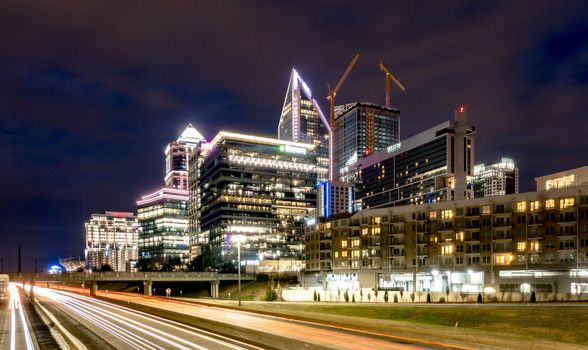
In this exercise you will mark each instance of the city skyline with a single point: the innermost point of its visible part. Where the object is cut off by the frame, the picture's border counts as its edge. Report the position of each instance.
(83, 133)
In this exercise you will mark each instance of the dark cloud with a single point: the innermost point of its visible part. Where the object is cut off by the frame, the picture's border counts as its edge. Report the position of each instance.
(90, 92)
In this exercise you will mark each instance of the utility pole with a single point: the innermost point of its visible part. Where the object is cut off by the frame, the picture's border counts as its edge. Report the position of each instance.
(19, 261)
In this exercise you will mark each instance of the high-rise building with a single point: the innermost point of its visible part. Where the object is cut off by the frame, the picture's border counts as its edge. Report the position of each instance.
(163, 217)
(334, 197)
(259, 188)
(496, 179)
(163, 214)
(111, 239)
(362, 129)
(196, 240)
(177, 158)
(429, 167)
(301, 120)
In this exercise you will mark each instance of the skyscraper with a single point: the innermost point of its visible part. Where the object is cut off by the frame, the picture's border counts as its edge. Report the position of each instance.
(301, 120)
(362, 129)
(177, 157)
(111, 239)
(256, 187)
(496, 179)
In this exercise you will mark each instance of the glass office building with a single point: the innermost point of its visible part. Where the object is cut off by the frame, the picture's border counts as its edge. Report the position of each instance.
(259, 188)
(362, 129)
(496, 179)
(163, 219)
(301, 120)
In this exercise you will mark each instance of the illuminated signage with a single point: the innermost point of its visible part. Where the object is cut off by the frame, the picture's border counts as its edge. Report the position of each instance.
(292, 149)
(560, 182)
(394, 147)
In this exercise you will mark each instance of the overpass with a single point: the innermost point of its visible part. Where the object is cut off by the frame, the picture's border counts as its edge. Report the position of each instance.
(93, 278)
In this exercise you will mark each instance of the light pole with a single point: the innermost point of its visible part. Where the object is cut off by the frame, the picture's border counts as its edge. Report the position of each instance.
(239, 238)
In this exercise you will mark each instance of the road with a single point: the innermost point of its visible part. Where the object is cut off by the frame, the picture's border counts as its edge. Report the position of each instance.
(16, 333)
(316, 334)
(123, 328)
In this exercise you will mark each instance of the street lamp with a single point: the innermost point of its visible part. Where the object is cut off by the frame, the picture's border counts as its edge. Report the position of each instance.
(239, 239)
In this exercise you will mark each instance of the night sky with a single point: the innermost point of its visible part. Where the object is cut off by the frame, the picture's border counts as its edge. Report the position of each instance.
(91, 92)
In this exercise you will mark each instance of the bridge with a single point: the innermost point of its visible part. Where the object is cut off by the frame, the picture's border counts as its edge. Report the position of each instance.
(93, 278)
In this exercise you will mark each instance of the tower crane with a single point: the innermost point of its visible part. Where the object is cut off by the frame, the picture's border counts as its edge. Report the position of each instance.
(389, 79)
(331, 98)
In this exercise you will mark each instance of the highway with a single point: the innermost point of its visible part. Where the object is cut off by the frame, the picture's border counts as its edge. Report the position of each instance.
(123, 328)
(16, 333)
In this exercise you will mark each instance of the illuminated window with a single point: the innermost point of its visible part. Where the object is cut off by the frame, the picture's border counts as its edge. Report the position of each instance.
(534, 246)
(375, 231)
(521, 207)
(459, 236)
(343, 244)
(376, 220)
(503, 259)
(327, 225)
(355, 253)
(447, 214)
(336, 255)
(566, 203)
(432, 215)
(486, 210)
(550, 204)
(535, 205)
(364, 231)
(344, 254)
(521, 246)
(446, 249)
(355, 243)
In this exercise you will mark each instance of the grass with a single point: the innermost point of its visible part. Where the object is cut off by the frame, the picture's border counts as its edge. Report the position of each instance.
(534, 322)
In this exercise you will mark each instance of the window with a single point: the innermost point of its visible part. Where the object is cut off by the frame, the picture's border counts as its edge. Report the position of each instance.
(534, 246)
(447, 214)
(364, 231)
(550, 204)
(459, 236)
(336, 255)
(486, 260)
(355, 253)
(535, 205)
(446, 249)
(503, 259)
(355, 243)
(432, 215)
(486, 210)
(343, 244)
(375, 230)
(566, 203)
(376, 220)
(521, 246)
(327, 225)
(344, 254)
(521, 207)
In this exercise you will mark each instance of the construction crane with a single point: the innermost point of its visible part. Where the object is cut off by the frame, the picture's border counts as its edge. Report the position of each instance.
(389, 79)
(331, 98)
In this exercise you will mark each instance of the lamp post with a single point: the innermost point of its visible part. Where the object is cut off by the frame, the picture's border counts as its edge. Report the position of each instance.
(239, 238)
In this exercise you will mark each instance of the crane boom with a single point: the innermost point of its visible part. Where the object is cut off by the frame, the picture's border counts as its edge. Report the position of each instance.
(389, 77)
(346, 73)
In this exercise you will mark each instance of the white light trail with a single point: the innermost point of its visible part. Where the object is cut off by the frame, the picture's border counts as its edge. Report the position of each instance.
(15, 304)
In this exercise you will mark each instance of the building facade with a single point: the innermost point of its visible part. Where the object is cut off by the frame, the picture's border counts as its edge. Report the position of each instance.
(259, 188)
(429, 167)
(177, 158)
(301, 120)
(563, 179)
(536, 241)
(362, 129)
(163, 220)
(496, 179)
(335, 197)
(111, 239)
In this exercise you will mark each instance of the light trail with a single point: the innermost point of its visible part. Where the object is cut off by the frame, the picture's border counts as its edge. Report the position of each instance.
(105, 316)
(15, 304)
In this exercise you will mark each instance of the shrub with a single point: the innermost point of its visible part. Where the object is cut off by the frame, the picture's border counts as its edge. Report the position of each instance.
(395, 298)
(318, 296)
(442, 300)
(533, 297)
(346, 296)
(428, 297)
(314, 296)
(270, 294)
(386, 296)
(369, 297)
(479, 298)
(353, 298)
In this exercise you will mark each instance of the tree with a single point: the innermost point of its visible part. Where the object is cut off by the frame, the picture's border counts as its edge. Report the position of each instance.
(314, 296)
(386, 296)
(428, 297)
(376, 295)
(369, 296)
(196, 264)
(270, 294)
(395, 298)
(353, 298)
(533, 297)
(228, 267)
(318, 297)
(346, 296)
(106, 268)
(479, 298)
(360, 295)
(144, 265)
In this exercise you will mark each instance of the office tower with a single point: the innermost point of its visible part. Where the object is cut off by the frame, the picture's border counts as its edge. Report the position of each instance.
(259, 188)
(429, 167)
(496, 179)
(177, 154)
(334, 197)
(302, 121)
(362, 129)
(111, 239)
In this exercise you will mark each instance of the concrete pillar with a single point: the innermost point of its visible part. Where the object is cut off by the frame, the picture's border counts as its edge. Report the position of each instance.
(148, 288)
(214, 290)
(93, 289)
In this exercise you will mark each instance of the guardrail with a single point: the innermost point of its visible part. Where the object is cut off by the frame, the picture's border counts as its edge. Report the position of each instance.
(128, 276)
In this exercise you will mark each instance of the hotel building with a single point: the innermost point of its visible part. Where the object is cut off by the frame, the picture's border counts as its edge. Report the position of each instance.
(563, 179)
(260, 188)
(111, 239)
(536, 241)
(429, 167)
